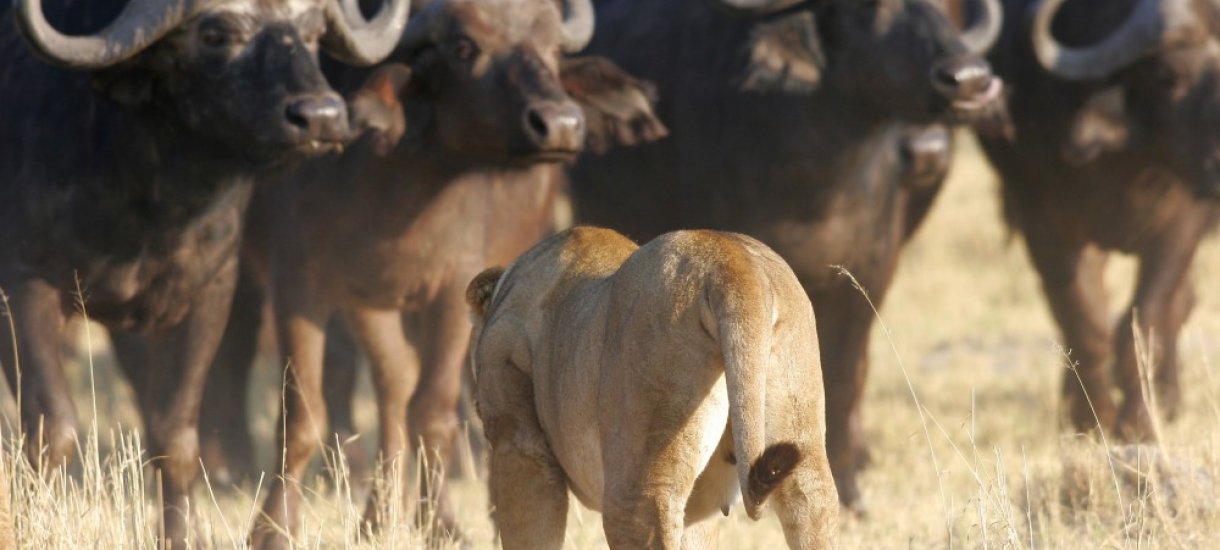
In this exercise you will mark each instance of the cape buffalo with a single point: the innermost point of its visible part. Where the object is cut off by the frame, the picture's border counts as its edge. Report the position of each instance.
(127, 152)
(788, 125)
(1116, 111)
(486, 110)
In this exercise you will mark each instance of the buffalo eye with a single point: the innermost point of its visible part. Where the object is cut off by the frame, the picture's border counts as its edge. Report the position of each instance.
(214, 36)
(867, 8)
(464, 49)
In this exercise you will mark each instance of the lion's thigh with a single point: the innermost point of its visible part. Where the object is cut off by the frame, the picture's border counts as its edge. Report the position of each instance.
(528, 488)
(717, 488)
(704, 535)
(653, 450)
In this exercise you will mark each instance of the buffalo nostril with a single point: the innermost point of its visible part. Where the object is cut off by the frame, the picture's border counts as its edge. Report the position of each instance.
(317, 117)
(554, 126)
(295, 115)
(311, 111)
(946, 79)
(537, 124)
(963, 77)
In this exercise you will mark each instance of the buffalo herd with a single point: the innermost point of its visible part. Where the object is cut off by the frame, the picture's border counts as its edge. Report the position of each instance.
(353, 164)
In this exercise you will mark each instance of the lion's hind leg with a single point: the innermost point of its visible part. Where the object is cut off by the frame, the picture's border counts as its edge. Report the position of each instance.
(654, 448)
(704, 535)
(807, 503)
(528, 488)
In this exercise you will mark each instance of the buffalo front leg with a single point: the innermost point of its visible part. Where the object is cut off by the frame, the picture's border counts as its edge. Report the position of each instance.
(300, 322)
(172, 391)
(844, 321)
(1073, 278)
(342, 367)
(1168, 387)
(434, 407)
(394, 366)
(225, 441)
(35, 370)
(1158, 309)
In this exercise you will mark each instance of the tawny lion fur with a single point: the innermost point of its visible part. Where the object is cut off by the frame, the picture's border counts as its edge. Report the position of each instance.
(654, 383)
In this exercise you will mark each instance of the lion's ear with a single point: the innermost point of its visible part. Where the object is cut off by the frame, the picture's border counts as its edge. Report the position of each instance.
(785, 56)
(1101, 126)
(618, 107)
(481, 288)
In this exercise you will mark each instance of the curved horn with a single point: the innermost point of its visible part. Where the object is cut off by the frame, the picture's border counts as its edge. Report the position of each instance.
(1141, 33)
(141, 23)
(419, 30)
(577, 24)
(758, 7)
(980, 36)
(352, 39)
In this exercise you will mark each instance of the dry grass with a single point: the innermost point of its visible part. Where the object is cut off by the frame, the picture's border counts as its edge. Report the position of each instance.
(966, 322)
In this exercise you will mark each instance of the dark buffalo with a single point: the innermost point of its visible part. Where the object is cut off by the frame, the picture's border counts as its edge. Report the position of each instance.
(127, 153)
(487, 110)
(1116, 112)
(795, 129)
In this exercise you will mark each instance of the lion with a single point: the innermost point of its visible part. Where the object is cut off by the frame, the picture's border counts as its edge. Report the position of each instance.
(659, 384)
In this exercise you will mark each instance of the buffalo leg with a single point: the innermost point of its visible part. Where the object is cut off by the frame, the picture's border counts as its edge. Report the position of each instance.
(1168, 387)
(1073, 279)
(173, 388)
(342, 360)
(131, 354)
(844, 321)
(394, 365)
(225, 442)
(301, 323)
(433, 408)
(1162, 278)
(35, 370)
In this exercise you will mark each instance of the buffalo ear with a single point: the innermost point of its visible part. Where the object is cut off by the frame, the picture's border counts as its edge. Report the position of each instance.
(1101, 126)
(375, 110)
(785, 56)
(618, 107)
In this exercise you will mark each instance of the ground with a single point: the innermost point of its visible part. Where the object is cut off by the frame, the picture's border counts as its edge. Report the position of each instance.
(962, 413)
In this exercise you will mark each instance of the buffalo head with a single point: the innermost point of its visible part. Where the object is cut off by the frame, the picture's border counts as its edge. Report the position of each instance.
(488, 81)
(1159, 80)
(904, 57)
(241, 74)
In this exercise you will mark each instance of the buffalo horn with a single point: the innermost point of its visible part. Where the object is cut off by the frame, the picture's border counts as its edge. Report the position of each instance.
(758, 7)
(141, 23)
(1139, 35)
(577, 24)
(354, 40)
(980, 36)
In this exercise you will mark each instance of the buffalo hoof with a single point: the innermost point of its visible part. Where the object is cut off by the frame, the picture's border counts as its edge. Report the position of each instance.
(1168, 400)
(1135, 423)
(864, 457)
(849, 496)
(857, 509)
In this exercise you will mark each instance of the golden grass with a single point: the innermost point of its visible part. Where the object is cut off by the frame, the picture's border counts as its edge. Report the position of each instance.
(966, 322)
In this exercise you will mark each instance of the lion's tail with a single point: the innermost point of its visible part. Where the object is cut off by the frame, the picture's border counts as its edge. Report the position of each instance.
(743, 312)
